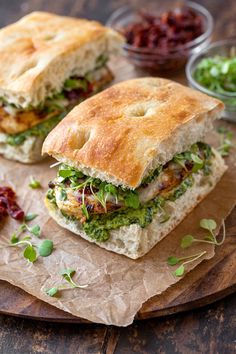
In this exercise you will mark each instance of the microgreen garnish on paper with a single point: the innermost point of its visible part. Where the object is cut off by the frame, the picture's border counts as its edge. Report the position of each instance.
(184, 260)
(35, 230)
(226, 143)
(45, 248)
(30, 217)
(32, 248)
(209, 225)
(34, 184)
(67, 275)
(29, 252)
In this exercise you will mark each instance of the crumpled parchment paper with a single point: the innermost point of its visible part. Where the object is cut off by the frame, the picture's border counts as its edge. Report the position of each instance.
(118, 286)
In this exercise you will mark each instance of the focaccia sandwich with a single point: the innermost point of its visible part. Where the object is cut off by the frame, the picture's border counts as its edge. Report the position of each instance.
(133, 163)
(48, 64)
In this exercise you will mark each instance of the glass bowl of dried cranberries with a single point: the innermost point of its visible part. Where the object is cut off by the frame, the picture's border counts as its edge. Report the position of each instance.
(163, 38)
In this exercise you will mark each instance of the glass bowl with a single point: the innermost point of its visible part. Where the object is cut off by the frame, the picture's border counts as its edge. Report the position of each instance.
(223, 48)
(152, 59)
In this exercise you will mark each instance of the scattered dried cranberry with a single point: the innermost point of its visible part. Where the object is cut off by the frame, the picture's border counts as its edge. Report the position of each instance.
(8, 205)
(164, 32)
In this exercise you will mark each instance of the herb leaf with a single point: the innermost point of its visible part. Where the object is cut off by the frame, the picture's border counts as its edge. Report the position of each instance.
(208, 224)
(30, 253)
(35, 230)
(226, 141)
(85, 211)
(52, 292)
(187, 241)
(45, 248)
(14, 238)
(66, 173)
(179, 271)
(68, 274)
(30, 217)
(34, 184)
(172, 260)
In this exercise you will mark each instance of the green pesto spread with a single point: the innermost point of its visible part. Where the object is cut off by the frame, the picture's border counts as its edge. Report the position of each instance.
(99, 226)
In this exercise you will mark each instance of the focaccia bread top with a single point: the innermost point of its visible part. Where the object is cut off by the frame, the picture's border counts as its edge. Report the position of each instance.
(40, 51)
(124, 132)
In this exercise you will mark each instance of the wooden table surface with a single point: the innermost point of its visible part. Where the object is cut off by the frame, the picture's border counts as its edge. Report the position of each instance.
(210, 330)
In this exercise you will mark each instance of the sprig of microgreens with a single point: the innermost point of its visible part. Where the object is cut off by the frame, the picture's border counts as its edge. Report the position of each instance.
(130, 198)
(99, 197)
(35, 230)
(67, 275)
(84, 207)
(209, 225)
(34, 184)
(44, 249)
(226, 143)
(182, 158)
(31, 250)
(188, 259)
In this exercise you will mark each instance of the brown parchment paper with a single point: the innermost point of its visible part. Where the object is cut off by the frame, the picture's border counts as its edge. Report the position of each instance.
(118, 286)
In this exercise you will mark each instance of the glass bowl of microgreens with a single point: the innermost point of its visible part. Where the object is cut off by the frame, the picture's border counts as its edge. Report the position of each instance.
(213, 71)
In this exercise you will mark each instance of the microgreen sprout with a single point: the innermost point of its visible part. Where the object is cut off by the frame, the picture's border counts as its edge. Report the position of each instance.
(84, 207)
(209, 225)
(35, 230)
(45, 248)
(31, 249)
(34, 184)
(186, 260)
(67, 275)
(29, 252)
(226, 143)
(30, 217)
(55, 164)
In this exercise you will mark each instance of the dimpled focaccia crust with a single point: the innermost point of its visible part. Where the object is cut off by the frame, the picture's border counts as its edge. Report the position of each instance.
(122, 133)
(40, 51)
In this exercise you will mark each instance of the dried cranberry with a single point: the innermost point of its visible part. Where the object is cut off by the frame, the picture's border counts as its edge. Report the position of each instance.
(8, 205)
(166, 31)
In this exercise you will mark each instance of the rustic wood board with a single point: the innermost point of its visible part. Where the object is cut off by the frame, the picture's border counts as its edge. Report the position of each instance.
(209, 282)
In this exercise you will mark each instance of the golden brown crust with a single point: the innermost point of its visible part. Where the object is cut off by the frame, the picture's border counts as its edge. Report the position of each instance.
(29, 47)
(119, 132)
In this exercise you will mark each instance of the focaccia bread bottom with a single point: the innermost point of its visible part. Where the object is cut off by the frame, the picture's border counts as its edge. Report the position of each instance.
(134, 241)
(27, 152)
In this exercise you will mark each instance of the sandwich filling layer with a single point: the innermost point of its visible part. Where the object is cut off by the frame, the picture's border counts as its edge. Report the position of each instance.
(101, 207)
(16, 124)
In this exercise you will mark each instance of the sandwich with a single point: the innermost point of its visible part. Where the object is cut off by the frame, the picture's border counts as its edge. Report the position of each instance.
(49, 64)
(131, 170)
